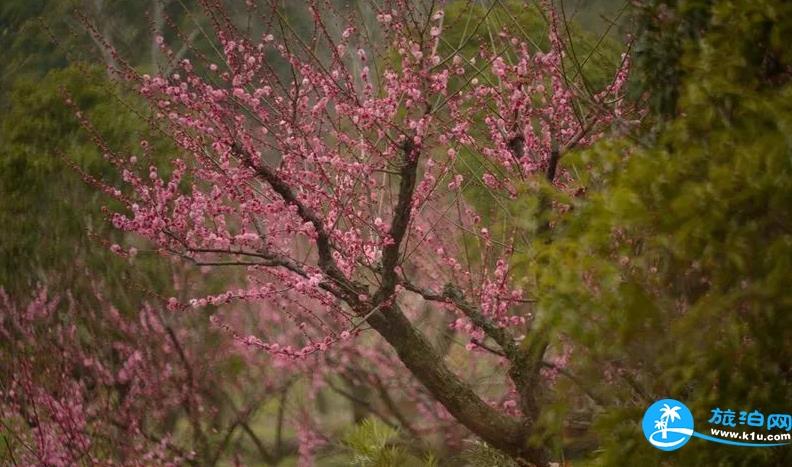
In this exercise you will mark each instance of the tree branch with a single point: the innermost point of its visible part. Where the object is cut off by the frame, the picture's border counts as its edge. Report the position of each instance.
(266, 456)
(390, 404)
(412, 347)
(452, 295)
(400, 221)
(365, 404)
(417, 354)
(323, 243)
(580, 384)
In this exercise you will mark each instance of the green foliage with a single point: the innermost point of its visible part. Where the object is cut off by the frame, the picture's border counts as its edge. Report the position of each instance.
(665, 29)
(672, 277)
(27, 47)
(469, 25)
(40, 35)
(46, 209)
(371, 443)
(35, 182)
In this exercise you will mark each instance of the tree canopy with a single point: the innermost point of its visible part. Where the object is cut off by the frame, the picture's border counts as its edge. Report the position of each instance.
(392, 233)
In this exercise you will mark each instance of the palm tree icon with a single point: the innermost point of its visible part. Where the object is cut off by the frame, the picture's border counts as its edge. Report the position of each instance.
(667, 414)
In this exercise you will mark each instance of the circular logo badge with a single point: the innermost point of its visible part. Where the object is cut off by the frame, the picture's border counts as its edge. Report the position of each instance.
(668, 424)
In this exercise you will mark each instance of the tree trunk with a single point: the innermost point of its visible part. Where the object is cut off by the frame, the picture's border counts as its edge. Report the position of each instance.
(503, 432)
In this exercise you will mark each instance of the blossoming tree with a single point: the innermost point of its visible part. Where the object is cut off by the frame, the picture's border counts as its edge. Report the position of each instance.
(88, 383)
(339, 185)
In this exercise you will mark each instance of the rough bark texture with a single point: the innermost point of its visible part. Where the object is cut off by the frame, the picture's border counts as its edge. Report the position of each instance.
(417, 354)
(414, 350)
(499, 430)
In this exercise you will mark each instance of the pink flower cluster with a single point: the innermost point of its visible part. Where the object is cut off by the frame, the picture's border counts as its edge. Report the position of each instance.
(269, 167)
